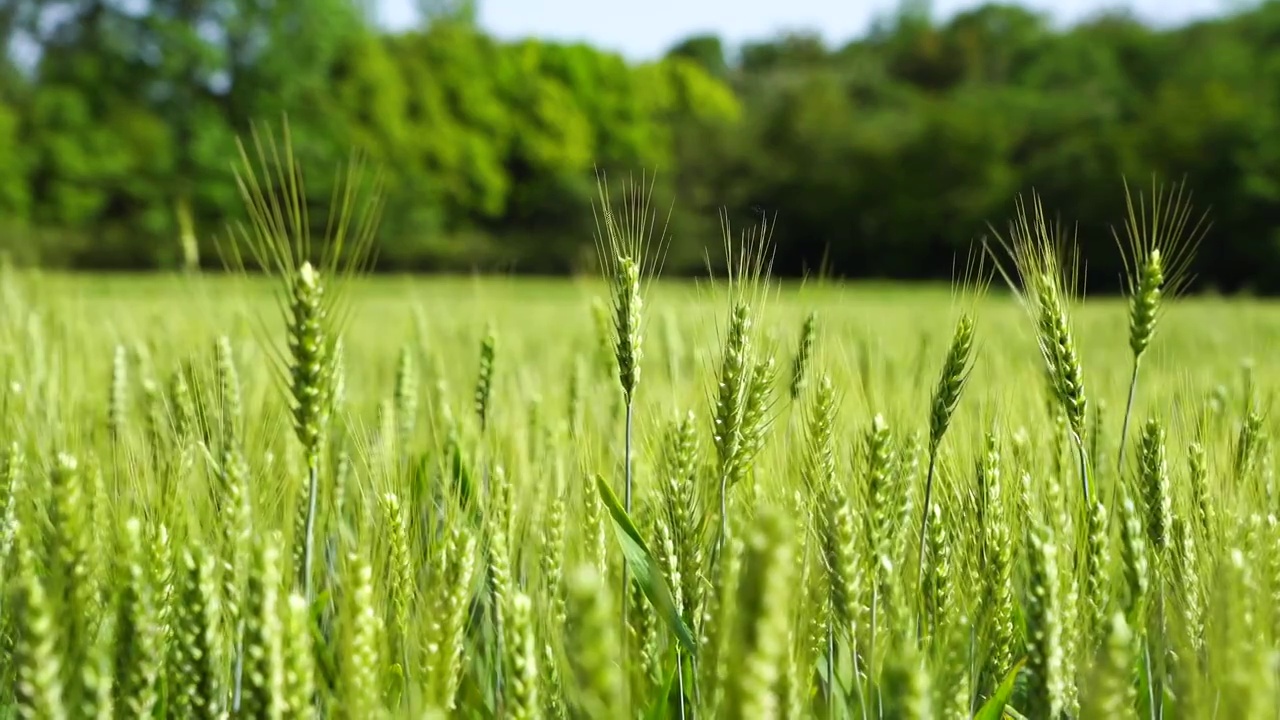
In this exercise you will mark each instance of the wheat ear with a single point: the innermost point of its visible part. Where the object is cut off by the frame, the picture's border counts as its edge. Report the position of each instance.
(1157, 250)
(278, 239)
(1045, 260)
(951, 383)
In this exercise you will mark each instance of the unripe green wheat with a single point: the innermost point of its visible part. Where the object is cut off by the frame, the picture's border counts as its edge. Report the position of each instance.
(484, 378)
(70, 560)
(1058, 342)
(1097, 568)
(264, 690)
(882, 479)
(683, 507)
(1037, 250)
(908, 689)
(299, 660)
(804, 352)
(880, 515)
(837, 528)
(1198, 479)
(1137, 571)
(715, 628)
(235, 514)
(1157, 255)
(388, 434)
(593, 644)
(997, 558)
(574, 396)
(641, 623)
(39, 691)
(1144, 303)
(499, 571)
(1098, 436)
(456, 571)
(118, 405)
(522, 650)
(1249, 440)
(13, 485)
(842, 560)
(1190, 595)
(605, 349)
(1111, 690)
(102, 534)
(138, 631)
(757, 413)
(400, 585)
(99, 675)
(406, 395)
(1156, 493)
(358, 686)
(311, 358)
(1047, 687)
(195, 684)
(163, 573)
(733, 387)
(946, 396)
(820, 458)
(555, 607)
(938, 585)
(764, 605)
(339, 375)
(303, 541)
(311, 372)
(552, 561)
(182, 408)
(231, 402)
(627, 305)
(153, 400)
(597, 531)
(955, 375)
(626, 247)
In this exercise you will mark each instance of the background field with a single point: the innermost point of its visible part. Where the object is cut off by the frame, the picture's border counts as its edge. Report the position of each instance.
(545, 325)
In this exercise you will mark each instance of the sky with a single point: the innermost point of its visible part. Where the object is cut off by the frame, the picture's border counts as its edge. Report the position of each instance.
(644, 29)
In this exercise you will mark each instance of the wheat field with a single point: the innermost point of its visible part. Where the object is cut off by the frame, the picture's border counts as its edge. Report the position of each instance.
(311, 493)
(466, 565)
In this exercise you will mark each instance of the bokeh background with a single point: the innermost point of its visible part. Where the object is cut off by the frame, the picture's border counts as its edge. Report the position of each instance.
(884, 138)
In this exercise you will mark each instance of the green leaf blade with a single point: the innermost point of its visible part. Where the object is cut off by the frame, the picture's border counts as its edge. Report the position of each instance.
(993, 709)
(643, 567)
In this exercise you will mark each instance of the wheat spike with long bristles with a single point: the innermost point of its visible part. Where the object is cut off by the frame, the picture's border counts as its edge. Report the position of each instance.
(1157, 254)
(946, 397)
(630, 257)
(630, 247)
(804, 352)
(279, 239)
(1045, 261)
(748, 266)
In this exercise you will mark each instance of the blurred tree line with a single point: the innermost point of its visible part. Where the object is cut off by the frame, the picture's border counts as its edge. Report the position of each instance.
(882, 158)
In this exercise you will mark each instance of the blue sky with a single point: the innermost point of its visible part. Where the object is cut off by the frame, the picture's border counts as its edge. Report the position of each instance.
(645, 28)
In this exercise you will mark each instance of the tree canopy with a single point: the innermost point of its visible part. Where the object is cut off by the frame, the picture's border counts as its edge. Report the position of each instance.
(884, 157)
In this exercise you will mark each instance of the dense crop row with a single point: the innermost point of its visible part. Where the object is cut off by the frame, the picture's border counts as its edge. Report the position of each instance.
(736, 505)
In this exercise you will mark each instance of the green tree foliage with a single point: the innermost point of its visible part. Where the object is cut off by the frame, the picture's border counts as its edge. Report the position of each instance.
(882, 157)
